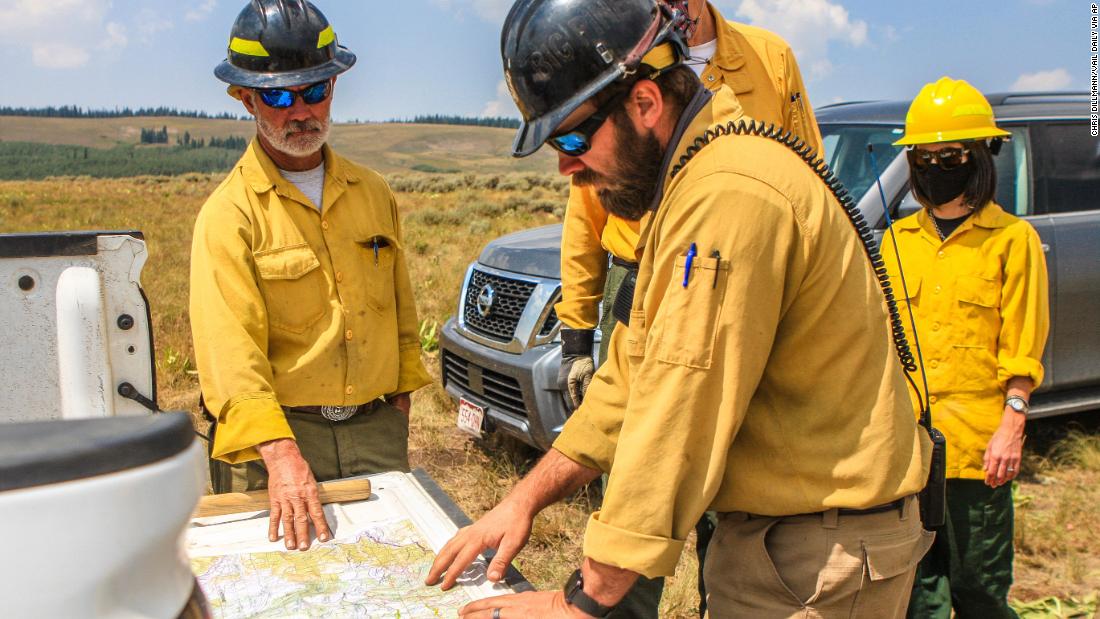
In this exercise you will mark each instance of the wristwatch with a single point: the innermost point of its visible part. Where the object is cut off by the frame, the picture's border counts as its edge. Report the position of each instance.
(1017, 404)
(575, 596)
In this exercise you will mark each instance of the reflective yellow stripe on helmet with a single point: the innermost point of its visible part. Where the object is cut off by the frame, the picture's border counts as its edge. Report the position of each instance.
(248, 48)
(328, 35)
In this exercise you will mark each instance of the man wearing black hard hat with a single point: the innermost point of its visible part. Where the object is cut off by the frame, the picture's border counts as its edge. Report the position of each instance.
(302, 314)
(753, 373)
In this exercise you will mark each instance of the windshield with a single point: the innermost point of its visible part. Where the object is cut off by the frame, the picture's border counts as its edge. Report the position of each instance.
(846, 152)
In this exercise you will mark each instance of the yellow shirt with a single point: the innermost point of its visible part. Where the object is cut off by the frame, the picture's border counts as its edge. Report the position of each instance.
(769, 384)
(981, 308)
(762, 71)
(294, 307)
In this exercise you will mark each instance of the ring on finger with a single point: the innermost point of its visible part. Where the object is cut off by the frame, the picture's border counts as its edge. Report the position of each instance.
(496, 613)
(1010, 470)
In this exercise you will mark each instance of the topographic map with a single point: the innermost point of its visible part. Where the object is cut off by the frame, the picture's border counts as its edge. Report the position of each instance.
(374, 567)
(380, 573)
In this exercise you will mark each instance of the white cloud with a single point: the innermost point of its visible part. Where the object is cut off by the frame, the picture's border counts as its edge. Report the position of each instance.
(59, 33)
(202, 11)
(503, 105)
(116, 36)
(59, 56)
(492, 11)
(809, 26)
(150, 23)
(1055, 79)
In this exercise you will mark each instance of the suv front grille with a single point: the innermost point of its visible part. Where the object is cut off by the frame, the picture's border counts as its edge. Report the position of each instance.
(500, 392)
(551, 322)
(511, 299)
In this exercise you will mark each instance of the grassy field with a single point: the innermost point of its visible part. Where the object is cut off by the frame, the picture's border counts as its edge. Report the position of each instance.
(447, 219)
(384, 147)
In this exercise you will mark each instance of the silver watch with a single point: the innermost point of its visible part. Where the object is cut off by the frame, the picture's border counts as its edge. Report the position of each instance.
(1017, 404)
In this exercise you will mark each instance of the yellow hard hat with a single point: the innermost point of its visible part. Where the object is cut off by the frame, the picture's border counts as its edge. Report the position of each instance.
(949, 111)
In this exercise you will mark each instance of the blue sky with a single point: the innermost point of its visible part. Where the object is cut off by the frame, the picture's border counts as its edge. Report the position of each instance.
(442, 56)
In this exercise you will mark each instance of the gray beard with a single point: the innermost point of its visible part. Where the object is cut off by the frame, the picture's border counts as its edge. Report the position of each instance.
(296, 146)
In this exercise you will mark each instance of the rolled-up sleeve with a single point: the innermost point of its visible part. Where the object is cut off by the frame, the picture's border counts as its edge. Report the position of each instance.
(1025, 311)
(229, 329)
(685, 406)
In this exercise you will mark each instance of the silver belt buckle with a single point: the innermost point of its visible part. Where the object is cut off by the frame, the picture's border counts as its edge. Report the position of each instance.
(338, 413)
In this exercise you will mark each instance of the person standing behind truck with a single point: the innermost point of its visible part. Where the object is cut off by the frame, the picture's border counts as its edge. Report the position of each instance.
(302, 313)
(760, 68)
(977, 282)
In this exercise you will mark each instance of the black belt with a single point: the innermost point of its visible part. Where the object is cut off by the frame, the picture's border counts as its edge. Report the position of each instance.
(877, 509)
(333, 413)
(897, 505)
(626, 264)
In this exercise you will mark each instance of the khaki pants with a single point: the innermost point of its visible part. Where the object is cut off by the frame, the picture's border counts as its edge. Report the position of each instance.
(814, 566)
(373, 441)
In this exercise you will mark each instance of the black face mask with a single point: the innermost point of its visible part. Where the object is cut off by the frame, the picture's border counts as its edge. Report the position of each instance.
(942, 186)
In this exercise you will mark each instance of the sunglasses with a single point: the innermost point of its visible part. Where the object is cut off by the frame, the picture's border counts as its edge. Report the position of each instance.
(281, 98)
(578, 140)
(946, 158)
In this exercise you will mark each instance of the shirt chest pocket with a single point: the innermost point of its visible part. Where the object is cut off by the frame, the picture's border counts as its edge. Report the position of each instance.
(979, 291)
(378, 256)
(687, 322)
(293, 286)
(979, 310)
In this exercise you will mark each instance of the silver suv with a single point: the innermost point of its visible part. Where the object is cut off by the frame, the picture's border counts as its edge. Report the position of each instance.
(501, 353)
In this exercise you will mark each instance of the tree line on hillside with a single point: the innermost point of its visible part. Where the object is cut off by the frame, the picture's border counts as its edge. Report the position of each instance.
(30, 161)
(154, 136)
(469, 121)
(72, 111)
(233, 142)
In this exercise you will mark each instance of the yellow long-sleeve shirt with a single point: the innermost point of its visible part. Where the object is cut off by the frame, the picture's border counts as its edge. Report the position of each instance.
(762, 71)
(981, 308)
(769, 384)
(291, 306)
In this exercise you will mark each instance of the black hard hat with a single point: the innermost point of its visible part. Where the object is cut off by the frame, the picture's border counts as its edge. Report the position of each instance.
(559, 53)
(281, 43)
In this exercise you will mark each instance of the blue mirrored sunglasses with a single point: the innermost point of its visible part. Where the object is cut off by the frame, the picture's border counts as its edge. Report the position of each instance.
(578, 140)
(281, 98)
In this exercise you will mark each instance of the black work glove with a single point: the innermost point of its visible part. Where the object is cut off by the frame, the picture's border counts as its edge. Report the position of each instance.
(577, 367)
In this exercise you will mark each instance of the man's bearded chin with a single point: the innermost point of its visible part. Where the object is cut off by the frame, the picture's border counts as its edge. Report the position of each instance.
(289, 141)
(630, 190)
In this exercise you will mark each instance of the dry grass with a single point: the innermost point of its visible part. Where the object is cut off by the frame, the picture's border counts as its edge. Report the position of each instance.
(1057, 523)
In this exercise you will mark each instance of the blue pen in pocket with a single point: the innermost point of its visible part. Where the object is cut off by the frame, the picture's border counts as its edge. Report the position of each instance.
(692, 251)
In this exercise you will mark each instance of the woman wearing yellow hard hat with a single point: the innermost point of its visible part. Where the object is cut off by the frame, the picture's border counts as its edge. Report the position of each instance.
(977, 285)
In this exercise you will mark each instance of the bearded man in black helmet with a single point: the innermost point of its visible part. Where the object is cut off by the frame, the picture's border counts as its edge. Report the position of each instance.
(302, 313)
(753, 372)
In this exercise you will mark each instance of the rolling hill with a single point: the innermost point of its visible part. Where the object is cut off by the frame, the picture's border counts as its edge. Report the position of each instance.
(385, 147)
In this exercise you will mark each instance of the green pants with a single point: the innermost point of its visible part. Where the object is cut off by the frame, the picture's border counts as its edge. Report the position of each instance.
(969, 567)
(615, 276)
(644, 598)
(373, 441)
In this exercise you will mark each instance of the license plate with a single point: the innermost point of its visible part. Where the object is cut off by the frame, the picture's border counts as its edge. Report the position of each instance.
(470, 417)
